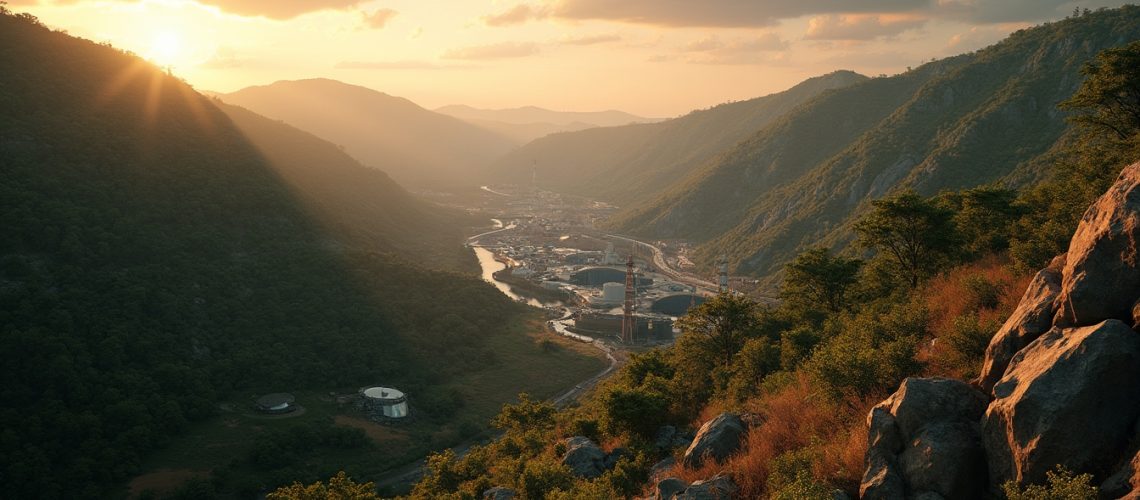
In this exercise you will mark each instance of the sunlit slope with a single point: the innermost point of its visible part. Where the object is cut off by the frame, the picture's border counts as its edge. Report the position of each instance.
(623, 164)
(417, 147)
(961, 122)
(156, 257)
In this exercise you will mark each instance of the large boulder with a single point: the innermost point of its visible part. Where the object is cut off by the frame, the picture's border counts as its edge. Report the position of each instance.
(925, 440)
(584, 458)
(1032, 318)
(1070, 398)
(1101, 277)
(1125, 482)
(718, 438)
(669, 488)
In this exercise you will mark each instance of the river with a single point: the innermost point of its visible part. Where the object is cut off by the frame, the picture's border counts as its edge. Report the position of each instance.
(490, 266)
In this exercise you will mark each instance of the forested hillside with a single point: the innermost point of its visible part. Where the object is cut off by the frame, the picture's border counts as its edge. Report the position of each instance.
(974, 119)
(418, 147)
(159, 253)
(624, 164)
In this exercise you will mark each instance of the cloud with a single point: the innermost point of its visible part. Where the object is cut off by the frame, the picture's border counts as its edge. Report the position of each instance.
(1001, 11)
(518, 14)
(224, 58)
(494, 51)
(589, 39)
(279, 9)
(379, 18)
(397, 65)
(721, 13)
(859, 27)
(751, 50)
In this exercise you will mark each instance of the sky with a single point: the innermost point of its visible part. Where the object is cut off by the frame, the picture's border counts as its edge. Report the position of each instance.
(654, 58)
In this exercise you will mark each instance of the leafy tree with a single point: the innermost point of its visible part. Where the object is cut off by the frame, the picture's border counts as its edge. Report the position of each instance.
(721, 325)
(527, 414)
(984, 217)
(915, 234)
(636, 411)
(817, 278)
(1108, 102)
(340, 487)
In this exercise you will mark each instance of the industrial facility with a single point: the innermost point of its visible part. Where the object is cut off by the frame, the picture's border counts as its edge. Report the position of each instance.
(276, 403)
(384, 403)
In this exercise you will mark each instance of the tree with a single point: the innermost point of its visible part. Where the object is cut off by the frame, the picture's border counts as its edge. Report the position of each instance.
(340, 487)
(1108, 101)
(817, 278)
(526, 415)
(984, 217)
(721, 325)
(914, 233)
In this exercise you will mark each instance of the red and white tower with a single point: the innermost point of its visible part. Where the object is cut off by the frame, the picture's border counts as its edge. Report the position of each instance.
(628, 325)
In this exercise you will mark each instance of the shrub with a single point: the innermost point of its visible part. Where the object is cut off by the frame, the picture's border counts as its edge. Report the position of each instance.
(1063, 485)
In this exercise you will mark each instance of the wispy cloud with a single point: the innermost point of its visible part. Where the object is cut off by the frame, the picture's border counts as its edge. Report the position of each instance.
(518, 14)
(860, 27)
(379, 18)
(502, 50)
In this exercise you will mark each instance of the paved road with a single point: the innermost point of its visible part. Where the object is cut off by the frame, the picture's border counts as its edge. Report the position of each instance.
(663, 265)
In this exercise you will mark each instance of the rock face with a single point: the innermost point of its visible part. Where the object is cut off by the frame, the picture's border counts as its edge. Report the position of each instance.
(1070, 398)
(669, 488)
(584, 458)
(924, 440)
(718, 438)
(1101, 277)
(1032, 318)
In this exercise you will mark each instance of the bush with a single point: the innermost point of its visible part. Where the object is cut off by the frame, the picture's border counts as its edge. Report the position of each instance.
(790, 477)
(1063, 485)
(982, 293)
(542, 476)
(636, 411)
(967, 341)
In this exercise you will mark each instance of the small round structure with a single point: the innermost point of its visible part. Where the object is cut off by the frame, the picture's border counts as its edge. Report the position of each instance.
(276, 403)
(385, 402)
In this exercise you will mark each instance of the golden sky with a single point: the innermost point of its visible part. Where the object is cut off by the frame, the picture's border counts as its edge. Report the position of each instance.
(655, 58)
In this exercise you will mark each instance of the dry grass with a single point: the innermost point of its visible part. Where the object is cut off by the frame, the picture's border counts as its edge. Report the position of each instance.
(795, 418)
(948, 297)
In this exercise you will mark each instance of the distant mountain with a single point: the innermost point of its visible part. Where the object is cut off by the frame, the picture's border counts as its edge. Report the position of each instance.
(417, 147)
(973, 119)
(531, 114)
(632, 162)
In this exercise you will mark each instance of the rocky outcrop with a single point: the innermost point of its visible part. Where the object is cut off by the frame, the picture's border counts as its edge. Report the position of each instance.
(1101, 277)
(669, 488)
(1125, 482)
(925, 439)
(1032, 318)
(717, 439)
(584, 458)
(499, 493)
(1070, 398)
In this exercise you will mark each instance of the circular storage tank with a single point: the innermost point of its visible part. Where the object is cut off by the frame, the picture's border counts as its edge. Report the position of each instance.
(613, 292)
(386, 401)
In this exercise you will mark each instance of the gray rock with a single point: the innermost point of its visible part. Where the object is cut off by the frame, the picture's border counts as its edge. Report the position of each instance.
(719, 487)
(1101, 277)
(718, 438)
(662, 468)
(583, 457)
(1032, 318)
(1125, 481)
(669, 488)
(881, 479)
(1070, 398)
(499, 493)
(925, 438)
(945, 458)
(840, 495)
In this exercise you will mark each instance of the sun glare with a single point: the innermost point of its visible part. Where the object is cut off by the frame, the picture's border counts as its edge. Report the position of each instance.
(165, 48)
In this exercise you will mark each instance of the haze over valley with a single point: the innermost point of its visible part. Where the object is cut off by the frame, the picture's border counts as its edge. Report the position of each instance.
(569, 249)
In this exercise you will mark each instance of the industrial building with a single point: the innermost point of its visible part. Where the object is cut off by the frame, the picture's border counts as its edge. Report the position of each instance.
(276, 403)
(677, 304)
(605, 324)
(384, 403)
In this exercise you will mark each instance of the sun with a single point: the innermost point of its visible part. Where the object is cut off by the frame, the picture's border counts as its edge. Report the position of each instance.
(165, 48)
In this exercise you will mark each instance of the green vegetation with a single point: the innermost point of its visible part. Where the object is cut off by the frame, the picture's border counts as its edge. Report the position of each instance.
(972, 120)
(163, 255)
(1063, 485)
(638, 161)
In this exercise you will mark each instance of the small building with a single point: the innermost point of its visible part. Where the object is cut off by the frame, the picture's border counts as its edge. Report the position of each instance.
(385, 402)
(276, 403)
